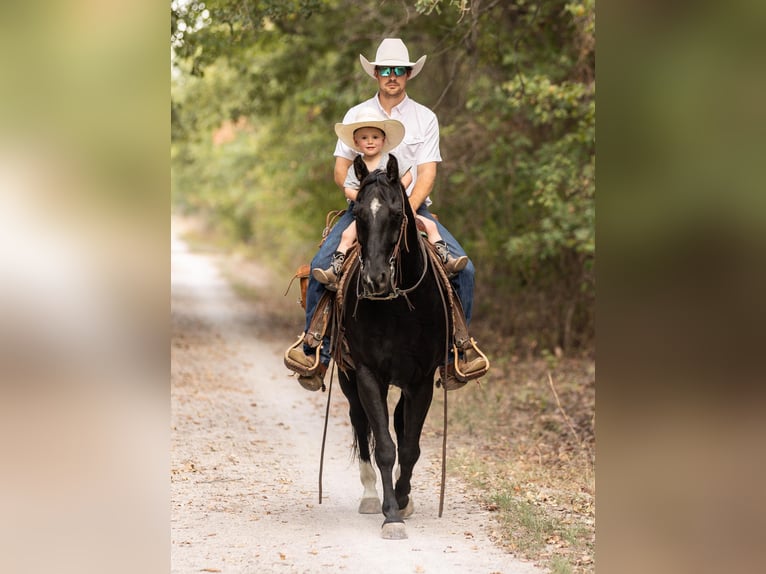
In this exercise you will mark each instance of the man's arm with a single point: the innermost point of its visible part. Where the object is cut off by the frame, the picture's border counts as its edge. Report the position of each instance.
(407, 179)
(341, 169)
(423, 185)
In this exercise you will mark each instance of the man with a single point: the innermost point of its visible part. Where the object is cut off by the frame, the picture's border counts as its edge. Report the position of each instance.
(392, 69)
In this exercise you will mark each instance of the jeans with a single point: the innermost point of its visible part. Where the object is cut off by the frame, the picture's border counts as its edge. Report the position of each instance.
(462, 282)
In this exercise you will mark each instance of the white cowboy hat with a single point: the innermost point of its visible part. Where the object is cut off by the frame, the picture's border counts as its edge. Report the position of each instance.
(392, 52)
(371, 118)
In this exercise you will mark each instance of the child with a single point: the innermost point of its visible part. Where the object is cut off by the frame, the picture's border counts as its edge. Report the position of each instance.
(373, 136)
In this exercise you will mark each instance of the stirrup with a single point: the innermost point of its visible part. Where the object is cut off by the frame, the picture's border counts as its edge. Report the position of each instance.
(293, 365)
(460, 375)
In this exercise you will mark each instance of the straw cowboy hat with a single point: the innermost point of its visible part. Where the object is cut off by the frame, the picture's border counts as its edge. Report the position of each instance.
(392, 52)
(372, 118)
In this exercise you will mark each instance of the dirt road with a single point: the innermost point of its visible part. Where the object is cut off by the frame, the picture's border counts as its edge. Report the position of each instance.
(245, 445)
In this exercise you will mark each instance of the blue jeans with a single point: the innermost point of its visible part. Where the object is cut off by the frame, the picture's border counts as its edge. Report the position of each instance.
(462, 282)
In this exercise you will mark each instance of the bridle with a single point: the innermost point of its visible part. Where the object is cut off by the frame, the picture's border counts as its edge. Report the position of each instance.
(394, 263)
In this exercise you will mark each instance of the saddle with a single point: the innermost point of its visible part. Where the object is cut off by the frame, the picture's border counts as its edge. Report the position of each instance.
(327, 316)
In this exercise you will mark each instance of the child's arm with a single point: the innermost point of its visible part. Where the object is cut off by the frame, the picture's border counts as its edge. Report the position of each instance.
(341, 170)
(350, 193)
(431, 230)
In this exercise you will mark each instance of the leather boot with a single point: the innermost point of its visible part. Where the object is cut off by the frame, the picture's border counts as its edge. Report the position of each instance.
(329, 277)
(448, 379)
(316, 381)
(452, 265)
(471, 362)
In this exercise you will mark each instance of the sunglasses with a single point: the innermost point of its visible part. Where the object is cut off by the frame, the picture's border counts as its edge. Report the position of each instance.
(385, 71)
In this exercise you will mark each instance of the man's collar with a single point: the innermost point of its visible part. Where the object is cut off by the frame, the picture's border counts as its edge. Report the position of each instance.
(400, 106)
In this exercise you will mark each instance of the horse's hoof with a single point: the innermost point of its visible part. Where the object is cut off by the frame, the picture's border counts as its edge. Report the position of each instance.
(370, 506)
(407, 511)
(394, 531)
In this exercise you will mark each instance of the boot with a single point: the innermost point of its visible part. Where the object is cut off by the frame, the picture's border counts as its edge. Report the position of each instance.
(471, 363)
(312, 381)
(448, 379)
(452, 265)
(329, 277)
(315, 381)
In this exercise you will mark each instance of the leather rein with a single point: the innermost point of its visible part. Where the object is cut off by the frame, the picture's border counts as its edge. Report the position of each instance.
(394, 263)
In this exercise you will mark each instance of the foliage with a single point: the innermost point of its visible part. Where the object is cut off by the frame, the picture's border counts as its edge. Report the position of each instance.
(525, 438)
(258, 85)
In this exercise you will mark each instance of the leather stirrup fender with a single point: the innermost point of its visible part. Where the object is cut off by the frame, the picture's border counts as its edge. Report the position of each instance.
(461, 340)
(460, 328)
(320, 320)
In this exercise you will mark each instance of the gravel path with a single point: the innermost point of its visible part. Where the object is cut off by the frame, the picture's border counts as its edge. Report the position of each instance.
(245, 444)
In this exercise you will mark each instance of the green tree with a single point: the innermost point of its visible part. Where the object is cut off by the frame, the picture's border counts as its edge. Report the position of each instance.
(511, 82)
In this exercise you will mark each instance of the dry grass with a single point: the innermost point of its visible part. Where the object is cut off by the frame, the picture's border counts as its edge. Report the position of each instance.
(524, 438)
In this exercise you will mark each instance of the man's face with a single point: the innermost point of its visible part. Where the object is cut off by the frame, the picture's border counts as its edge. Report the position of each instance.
(391, 85)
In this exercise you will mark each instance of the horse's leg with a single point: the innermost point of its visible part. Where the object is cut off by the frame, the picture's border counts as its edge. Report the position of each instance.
(414, 406)
(373, 398)
(406, 510)
(370, 503)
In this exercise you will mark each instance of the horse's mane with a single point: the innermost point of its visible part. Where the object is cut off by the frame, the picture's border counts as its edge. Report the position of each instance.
(380, 177)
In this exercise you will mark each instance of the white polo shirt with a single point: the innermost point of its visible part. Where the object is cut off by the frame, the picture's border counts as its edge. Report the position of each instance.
(421, 134)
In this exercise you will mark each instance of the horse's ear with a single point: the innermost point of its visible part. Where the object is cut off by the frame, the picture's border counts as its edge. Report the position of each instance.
(360, 168)
(392, 168)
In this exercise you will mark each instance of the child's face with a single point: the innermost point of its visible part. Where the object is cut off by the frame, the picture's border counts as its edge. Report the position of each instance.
(369, 140)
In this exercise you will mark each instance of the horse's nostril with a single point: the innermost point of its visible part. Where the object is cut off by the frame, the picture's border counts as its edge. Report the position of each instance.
(376, 284)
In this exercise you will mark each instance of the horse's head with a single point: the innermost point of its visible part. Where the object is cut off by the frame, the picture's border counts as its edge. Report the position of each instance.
(380, 215)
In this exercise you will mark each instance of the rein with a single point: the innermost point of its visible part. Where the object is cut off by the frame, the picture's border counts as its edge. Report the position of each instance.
(395, 263)
(395, 290)
(446, 361)
(324, 434)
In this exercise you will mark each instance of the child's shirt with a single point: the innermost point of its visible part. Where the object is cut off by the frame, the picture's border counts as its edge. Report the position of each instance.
(353, 182)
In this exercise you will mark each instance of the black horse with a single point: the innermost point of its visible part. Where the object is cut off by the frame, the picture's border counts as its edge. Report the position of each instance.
(395, 327)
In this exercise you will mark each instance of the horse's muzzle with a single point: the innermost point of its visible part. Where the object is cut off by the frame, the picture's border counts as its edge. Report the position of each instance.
(378, 280)
(377, 284)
